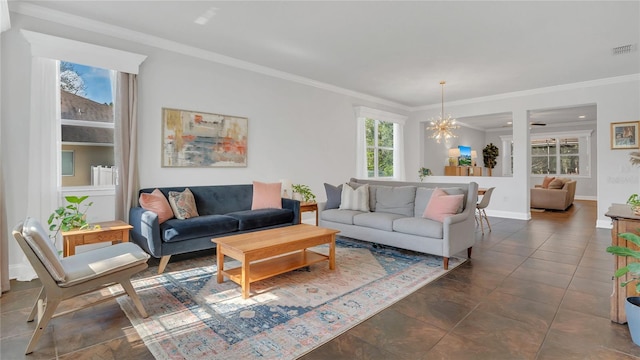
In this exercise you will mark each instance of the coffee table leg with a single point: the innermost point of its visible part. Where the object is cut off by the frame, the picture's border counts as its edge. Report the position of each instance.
(332, 253)
(220, 263)
(245, 279)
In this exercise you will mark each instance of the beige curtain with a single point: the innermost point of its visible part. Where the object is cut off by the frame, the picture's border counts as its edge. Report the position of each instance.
(126, 143)
(4, 238)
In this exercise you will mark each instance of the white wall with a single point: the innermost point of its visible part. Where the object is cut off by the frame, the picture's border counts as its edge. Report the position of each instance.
(616, 100)
(296, 132)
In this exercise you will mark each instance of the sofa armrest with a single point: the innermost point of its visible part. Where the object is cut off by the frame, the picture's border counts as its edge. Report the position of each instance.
(146, 230)
(293, 205)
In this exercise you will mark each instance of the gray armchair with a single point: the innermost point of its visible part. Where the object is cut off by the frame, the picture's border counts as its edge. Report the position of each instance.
(75, 275)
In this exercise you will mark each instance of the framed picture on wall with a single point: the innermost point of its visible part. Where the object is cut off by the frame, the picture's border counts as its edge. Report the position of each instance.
(198, 139)
(624, 135)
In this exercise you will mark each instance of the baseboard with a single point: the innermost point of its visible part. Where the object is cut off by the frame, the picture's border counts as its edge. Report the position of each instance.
(589, 198)
(508, 214)
(604, 224)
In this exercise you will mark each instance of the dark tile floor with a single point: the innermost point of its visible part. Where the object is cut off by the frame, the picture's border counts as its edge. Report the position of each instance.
(535, 289)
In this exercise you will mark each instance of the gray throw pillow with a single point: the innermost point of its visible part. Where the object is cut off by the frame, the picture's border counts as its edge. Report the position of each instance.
(334, 193)
(396, 200)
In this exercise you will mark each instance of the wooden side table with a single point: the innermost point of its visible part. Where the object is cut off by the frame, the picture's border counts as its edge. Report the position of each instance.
(624, 220)
(114, 231)
(309, 206)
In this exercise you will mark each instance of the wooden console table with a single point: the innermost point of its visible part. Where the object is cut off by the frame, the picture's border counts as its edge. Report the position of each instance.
(463, 171)
(112, 231)
(624, 220)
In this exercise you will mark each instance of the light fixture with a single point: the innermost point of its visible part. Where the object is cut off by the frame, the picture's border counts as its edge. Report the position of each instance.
(582, 116)
(474, 156)
(454, 154)
(443, 127)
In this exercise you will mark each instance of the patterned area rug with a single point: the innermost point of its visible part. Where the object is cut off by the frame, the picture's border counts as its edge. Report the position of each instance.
(191, 316)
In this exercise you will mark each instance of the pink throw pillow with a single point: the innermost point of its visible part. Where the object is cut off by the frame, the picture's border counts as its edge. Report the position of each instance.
(266, 196)
(442, 205)
(157, 203)
(547, 180)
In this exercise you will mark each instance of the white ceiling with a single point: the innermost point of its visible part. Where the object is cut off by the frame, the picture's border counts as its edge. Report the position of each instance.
(395, 50)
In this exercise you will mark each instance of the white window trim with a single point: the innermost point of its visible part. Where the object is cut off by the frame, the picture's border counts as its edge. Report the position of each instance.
(53, 47)
(363, 112)
(507, 139)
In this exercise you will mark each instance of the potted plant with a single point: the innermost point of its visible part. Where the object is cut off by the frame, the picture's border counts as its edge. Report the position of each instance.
(632, 271)
(422, 172)
(489, 155)
(305, 192)
(69, 217)
(634, 202)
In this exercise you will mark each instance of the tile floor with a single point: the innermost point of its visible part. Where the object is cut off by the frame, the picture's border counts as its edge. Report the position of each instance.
(534, 289)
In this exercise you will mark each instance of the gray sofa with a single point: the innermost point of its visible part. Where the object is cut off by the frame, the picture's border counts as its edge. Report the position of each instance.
(400, 223)
(224, 210)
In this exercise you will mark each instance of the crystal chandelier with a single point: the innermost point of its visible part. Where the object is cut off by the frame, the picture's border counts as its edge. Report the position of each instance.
(443, 127)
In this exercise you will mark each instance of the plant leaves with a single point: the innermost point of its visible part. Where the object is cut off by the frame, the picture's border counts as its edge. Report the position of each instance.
(634, 238)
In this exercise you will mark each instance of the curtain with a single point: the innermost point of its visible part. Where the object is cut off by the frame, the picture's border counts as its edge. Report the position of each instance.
(5, 23)
(4, 234)
(126, 121)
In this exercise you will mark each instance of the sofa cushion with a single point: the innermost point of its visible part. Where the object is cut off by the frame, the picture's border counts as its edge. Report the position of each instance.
(157, 203)
(266, 196)
(340, 216)
(334, 194)
(396, 200)
(442, 205)
(355, 199)
(376, 220)
(422, 199)
(419, 226)
(372, 193)
(183, 204)
(207, 225)
(556, 184)
(254, 219)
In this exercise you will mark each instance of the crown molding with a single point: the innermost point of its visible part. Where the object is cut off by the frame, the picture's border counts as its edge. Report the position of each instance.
(544, 90)
(60, 17)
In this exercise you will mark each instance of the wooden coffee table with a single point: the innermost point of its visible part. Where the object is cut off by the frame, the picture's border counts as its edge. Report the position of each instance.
(267, 253)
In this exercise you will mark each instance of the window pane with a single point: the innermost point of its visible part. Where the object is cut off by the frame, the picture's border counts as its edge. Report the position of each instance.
(569, 146)
(369, 131)
(86, 134)
(370, 163)
(85, 93)
(86, 157)
(570, 165)
(385, 134)
(385, 163)
(543, 165)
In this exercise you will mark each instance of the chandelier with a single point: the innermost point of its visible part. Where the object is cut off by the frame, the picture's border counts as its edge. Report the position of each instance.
(443, 127)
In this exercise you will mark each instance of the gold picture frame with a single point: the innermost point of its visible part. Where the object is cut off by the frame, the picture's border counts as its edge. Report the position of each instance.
(624, 135)
(199, 139)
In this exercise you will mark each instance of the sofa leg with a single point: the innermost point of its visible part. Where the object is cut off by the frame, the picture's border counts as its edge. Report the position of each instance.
(469, 252)
(163, 263)
(445, 263)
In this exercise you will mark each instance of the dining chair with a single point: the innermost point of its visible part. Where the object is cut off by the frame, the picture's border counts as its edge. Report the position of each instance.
(75, 275)
(480, 206)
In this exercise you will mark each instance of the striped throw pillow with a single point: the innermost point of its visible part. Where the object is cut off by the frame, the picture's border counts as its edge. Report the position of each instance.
(355, 199)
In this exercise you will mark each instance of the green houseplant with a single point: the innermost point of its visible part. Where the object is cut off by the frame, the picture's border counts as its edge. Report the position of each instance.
(489, 155)
(634, 202)
(632, 270)
(72, 216)
(304, 191)
(422, 172)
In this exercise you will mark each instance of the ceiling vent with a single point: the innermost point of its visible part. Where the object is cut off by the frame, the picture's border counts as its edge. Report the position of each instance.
(624, 49)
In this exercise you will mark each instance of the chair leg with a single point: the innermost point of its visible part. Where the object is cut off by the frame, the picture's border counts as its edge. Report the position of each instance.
(481, 224)
(126, 285)
(43, 321)
(34, 310)
(163, 263)
(487, 219)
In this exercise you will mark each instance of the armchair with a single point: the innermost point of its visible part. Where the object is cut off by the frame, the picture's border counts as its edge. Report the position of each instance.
(75, 275)
(554, 198)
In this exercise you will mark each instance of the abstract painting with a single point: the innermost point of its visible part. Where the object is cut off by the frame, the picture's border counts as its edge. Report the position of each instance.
(198, 139)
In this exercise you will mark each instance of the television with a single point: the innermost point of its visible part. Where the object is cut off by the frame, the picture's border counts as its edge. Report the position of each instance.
(465, 155)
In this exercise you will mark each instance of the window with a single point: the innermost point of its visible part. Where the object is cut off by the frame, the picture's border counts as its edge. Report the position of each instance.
(380, 148)
(562, 153)
(86, 125)
(379, 144)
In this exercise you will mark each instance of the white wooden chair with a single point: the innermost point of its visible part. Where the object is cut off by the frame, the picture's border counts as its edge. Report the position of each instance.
(75, 275)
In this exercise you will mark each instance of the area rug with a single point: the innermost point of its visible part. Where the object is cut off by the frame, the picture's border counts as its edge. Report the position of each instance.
(191, 316)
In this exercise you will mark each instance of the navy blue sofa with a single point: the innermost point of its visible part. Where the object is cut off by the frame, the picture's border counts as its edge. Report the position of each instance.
(224, 210)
